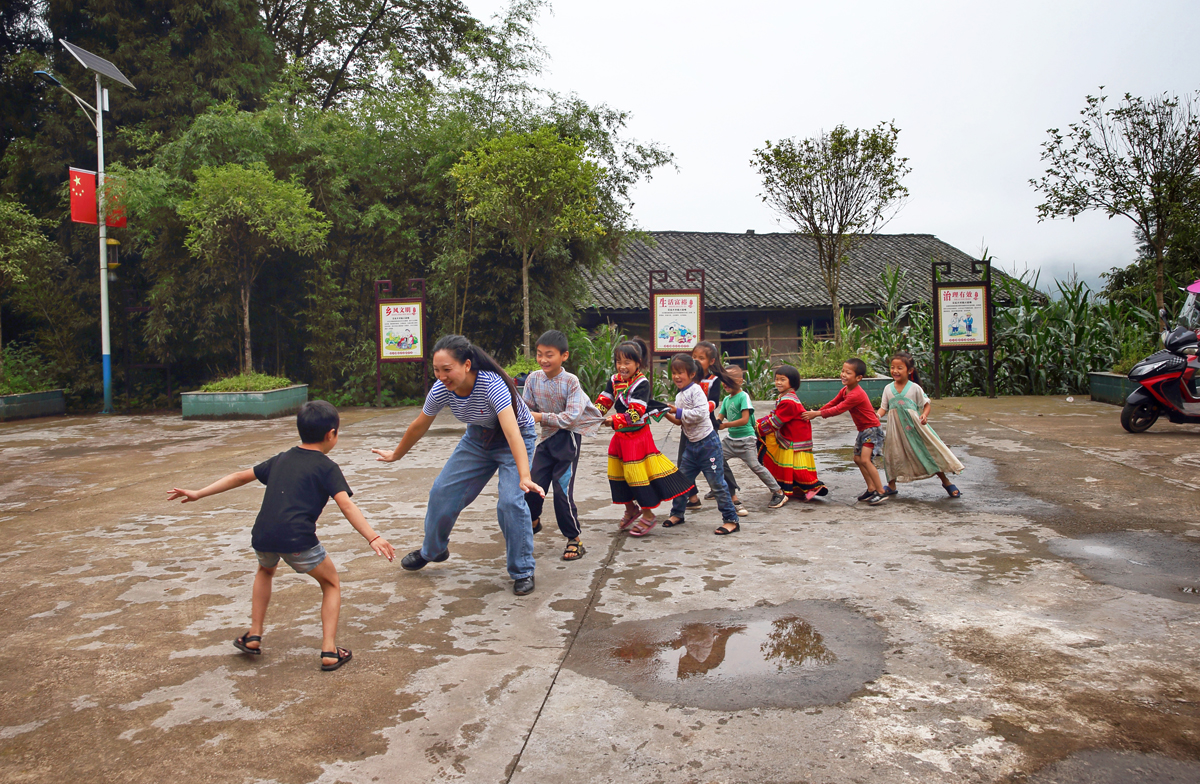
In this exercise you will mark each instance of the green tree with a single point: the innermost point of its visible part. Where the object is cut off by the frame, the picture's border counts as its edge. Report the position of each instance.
(341, 47)
(834, 187)
(1137, 160)
(21, 241)
(237, 215)
(538, 188)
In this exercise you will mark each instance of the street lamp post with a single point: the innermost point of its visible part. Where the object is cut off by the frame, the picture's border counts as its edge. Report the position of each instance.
(100, 66)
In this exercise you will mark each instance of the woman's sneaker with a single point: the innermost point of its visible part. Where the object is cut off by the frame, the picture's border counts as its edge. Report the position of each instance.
(777, 500)
(876, 499)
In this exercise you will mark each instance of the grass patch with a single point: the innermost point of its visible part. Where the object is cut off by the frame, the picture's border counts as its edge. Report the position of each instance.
(247, 382)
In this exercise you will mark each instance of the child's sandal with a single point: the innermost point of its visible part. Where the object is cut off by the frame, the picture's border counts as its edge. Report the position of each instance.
(240, 644)
(574, 550)
(644, 525)
(629, 517)
(952, 491)
(342, 655)
(673, 521)
(723, 530)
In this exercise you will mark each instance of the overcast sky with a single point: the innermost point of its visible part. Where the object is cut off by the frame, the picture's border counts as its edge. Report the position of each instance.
(973, 89)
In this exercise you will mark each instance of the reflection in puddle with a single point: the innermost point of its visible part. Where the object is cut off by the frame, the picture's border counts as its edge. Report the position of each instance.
(723, 659)
(715, 650)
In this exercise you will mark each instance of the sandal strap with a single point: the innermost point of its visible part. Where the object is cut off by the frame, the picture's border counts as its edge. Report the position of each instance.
(335, 654)
(251, 638)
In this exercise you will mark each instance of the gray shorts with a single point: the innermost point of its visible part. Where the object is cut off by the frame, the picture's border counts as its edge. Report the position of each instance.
(874, 435)
(303, 562)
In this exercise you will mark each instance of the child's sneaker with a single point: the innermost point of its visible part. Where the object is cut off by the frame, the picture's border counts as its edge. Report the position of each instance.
(740, 508)
(777, 500)
(876, 499)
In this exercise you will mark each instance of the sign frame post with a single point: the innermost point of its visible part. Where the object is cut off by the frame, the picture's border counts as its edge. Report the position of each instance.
(691, 275)
(383, 298)
(983, 268)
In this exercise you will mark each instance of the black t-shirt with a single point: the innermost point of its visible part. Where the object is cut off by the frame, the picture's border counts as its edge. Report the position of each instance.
(299, 484)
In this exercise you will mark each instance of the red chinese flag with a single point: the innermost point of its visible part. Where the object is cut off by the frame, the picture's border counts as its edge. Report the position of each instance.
(83, 196)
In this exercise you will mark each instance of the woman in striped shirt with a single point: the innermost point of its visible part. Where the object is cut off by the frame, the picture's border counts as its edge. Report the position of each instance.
(500, 437)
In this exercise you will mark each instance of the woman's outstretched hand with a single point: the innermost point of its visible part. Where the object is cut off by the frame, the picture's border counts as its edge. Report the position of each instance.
(530, 486)
(385, 455)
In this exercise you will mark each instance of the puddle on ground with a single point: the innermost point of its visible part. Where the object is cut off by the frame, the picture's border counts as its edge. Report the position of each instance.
(791, 656)
(1096, 766)
(1158, 564)
(724, 649)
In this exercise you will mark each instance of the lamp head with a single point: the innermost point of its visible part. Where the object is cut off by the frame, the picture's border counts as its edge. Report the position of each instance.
(45, 76)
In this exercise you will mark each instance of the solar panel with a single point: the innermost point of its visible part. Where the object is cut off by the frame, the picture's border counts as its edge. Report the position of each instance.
(96, 63)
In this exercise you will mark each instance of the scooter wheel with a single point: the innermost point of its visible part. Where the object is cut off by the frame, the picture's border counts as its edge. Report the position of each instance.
(1138, 417)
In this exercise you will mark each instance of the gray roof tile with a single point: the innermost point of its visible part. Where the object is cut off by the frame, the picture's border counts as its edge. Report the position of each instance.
(773, 271)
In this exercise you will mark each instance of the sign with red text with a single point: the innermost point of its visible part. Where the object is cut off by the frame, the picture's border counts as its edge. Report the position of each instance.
(675, 321)
(401, 330)
(962, 316)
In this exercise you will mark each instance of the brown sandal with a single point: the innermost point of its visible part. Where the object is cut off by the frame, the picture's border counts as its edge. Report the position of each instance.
(574, 550)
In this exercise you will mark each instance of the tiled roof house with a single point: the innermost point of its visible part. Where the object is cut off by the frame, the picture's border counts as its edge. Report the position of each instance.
(764, 286)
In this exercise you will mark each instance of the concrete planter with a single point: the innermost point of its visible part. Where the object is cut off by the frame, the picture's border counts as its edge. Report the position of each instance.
(244, 405)
(1110, 387)
(32, 404)
(816, 392)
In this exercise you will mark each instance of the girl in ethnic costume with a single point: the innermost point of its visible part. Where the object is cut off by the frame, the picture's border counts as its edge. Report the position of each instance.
(911, 449)
(785, 440)
(639, 476)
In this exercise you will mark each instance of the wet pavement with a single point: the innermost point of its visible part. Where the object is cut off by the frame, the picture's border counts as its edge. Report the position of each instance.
(1042, 628)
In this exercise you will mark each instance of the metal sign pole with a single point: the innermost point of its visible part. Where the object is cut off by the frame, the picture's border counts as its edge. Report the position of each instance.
(383, 289)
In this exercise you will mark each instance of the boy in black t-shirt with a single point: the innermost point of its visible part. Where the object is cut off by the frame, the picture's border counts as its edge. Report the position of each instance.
(299, 483)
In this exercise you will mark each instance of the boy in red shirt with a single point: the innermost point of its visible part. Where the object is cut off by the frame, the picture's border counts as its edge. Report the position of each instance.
(853, 398)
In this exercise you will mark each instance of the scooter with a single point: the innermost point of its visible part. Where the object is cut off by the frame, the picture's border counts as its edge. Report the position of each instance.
(1167, 378)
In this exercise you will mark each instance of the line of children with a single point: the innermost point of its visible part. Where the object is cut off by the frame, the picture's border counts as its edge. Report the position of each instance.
(639, 476)
(701, 444)
(559, 404)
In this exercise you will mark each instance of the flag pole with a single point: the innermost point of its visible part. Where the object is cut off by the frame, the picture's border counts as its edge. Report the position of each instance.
(105, 344)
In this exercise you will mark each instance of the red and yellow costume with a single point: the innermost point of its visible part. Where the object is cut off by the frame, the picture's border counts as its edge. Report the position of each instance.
(637, 472)
(785, 447)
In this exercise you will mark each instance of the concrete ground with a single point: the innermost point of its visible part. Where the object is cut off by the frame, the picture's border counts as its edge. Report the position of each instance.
(1043, 627)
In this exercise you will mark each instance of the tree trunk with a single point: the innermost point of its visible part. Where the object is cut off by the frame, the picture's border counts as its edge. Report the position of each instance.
(525, 295)
(1159, 279)
(246, 356)
(836, 311)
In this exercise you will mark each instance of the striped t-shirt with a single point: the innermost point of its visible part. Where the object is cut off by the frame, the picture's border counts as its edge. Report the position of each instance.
(488, 397)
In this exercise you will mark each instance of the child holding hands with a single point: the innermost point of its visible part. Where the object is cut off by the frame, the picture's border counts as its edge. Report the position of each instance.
(701, 444)
(853, 398)
(912, 450)
(299, 483)
(639, 476)
(785, 440)
(735, 414)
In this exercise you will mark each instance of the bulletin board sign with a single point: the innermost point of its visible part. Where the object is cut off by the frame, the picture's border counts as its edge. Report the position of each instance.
(962, 316)
(401, 330)
(676, 320)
